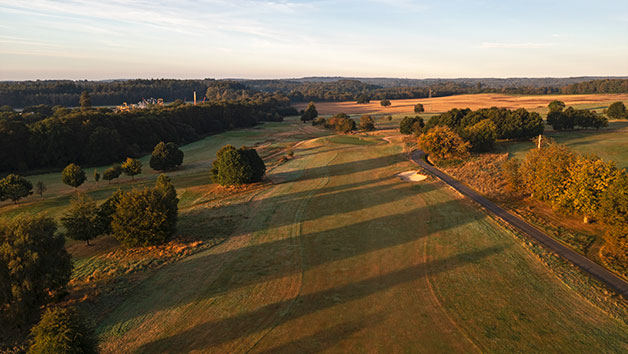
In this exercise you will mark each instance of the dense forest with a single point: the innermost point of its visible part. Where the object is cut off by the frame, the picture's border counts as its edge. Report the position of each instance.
(53, 137)
(107, 93)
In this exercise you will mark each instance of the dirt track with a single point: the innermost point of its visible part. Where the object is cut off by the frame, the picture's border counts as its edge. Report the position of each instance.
(594, 269)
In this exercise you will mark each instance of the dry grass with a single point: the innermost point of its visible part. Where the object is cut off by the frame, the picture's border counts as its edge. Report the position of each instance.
(442, 104)
(482, 173)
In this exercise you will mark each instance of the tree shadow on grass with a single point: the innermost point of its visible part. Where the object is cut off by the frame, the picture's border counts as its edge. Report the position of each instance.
(214, 333)
(267, 261)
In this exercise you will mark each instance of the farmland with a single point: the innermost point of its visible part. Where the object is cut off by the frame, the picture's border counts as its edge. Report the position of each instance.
(441, 104)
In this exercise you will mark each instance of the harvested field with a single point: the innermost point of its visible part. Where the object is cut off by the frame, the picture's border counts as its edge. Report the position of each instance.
(442, 104)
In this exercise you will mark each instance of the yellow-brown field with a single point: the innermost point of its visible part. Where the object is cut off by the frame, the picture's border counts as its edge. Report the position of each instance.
(442, 104)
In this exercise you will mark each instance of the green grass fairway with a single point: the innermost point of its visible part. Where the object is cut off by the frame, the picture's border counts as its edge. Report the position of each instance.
(339, 255)
(351, 140)
(610, 144)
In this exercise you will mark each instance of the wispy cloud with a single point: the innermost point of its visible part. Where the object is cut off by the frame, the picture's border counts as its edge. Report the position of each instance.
(527, 45)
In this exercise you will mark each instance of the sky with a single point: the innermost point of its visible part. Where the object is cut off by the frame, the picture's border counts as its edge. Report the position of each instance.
(114, 39)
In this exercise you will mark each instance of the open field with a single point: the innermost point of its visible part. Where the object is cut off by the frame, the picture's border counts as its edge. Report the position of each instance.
(442, 104)
(340, 255)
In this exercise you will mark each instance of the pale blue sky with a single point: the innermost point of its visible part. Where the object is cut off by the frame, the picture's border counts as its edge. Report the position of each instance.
(83, 39)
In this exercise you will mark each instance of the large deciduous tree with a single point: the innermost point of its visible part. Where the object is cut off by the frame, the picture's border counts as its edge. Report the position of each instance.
(73, 175)
(15, 187)
(166, 157)
(310, 113)
(81, 219)
(418, 108)
(132, 167)
(146, 217)
(617, 110)
(442, 143)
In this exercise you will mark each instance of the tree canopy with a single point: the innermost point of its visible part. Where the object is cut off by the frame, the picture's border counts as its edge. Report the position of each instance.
(15, 187)
(310, 112)
(237, 166)
(418, 108)
(34, 266)
(166, 157)
(131, 167)
(61, 330)
(73, 175)
(442, 143)
(617, 110)
(81, 219)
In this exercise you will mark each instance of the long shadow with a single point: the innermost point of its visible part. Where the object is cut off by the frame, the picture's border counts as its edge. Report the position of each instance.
(339, 196)
(342, 169)
(229, 329)
(326, 338)
(266, 261)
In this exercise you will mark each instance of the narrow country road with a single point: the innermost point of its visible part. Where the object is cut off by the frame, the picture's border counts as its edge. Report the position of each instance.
(594, 269)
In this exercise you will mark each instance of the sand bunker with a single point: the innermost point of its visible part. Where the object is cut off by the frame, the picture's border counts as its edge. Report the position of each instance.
(411, 176)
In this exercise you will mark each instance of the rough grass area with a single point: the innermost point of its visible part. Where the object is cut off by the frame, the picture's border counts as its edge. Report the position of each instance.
(341, 255)
(481, 172)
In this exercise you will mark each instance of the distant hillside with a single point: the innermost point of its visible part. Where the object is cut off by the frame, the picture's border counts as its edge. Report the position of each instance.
(113, 92)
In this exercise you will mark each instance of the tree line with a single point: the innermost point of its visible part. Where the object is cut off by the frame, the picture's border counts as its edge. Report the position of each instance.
(100, 136)
(67, 92)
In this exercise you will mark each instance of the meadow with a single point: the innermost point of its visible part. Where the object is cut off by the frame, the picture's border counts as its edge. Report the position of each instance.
(333, 253)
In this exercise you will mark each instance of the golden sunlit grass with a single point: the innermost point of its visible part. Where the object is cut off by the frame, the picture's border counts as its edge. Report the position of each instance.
(442, 104)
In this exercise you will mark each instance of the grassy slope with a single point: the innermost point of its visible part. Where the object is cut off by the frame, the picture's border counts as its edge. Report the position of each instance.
(342, 256)
(610, 144)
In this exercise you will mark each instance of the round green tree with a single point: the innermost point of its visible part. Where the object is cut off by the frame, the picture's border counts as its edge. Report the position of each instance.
(367, 123)
(132, 167)
(442, 143)
(385, 103)
(231, 167)
(410, 125)
(418, 108)
(73, 175)
(166, 157)
(255, 161)
(81, 219)
(15, 187)
(61, 331)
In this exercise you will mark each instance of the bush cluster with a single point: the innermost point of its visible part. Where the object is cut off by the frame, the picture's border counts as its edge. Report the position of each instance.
(411, 125)
(341, 122)
(570, 118)
(579, 184)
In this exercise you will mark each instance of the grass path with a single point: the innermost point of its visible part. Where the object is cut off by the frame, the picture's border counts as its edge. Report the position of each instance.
(341, 256)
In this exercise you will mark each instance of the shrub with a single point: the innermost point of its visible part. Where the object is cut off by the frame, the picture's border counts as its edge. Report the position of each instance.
(81, 219)
(443, 144)
(408, 125)
(389, 118)
(15, 187)
(166, 157)
(481, 136)
(62, 331)
(385, 103)
(146, 217)
(73, 175)
(131, 167)
(34, 266)
(367, 123)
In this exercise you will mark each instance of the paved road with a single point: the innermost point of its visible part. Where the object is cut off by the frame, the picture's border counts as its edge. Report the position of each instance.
(594, 269)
